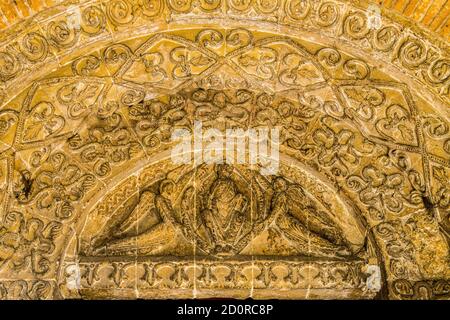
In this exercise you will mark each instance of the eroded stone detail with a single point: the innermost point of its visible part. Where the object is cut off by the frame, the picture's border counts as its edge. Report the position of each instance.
(91, 202)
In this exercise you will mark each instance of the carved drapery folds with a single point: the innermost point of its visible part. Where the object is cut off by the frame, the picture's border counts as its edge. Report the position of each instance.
(91, 202)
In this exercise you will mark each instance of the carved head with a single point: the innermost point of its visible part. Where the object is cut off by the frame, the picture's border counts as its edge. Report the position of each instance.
(280, 184)
(224, 170)
(226, 192)
(166, 188)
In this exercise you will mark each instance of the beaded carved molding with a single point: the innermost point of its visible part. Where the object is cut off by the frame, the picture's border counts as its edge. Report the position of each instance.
(93, 207)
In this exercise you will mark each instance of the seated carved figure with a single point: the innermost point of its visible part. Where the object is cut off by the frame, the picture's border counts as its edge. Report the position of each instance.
(220, 211)
(226, 211)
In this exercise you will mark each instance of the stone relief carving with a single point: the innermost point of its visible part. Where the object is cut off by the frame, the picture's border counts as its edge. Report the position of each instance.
(221, 209)
(76, 145)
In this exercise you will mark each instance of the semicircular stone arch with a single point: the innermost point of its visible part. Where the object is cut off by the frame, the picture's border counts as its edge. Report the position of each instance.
(93, 206)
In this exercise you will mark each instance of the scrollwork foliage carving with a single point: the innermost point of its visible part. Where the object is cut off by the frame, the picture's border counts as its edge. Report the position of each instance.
(333, 117)
(91, 21)
(28, 243)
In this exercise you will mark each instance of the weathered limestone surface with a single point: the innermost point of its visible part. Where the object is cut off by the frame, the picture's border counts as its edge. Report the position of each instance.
(432, 15)
(92, 206)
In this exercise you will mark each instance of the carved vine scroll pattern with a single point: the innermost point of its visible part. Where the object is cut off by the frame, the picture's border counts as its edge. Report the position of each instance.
(89, 22)
(334, 116)
(332, 144)
(386, 120)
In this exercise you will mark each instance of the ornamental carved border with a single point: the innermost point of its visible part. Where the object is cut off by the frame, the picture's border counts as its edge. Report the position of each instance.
(53, 37)
(369, 135)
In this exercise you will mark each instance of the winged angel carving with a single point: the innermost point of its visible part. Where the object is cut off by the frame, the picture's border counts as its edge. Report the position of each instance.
(220, 210)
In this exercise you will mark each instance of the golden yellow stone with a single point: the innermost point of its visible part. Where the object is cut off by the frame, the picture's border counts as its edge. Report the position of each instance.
(93, 205)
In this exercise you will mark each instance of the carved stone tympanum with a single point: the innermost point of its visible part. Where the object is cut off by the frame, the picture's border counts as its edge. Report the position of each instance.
(93, 205)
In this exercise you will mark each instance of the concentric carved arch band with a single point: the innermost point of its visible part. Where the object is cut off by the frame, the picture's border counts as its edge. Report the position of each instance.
(93, 206)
